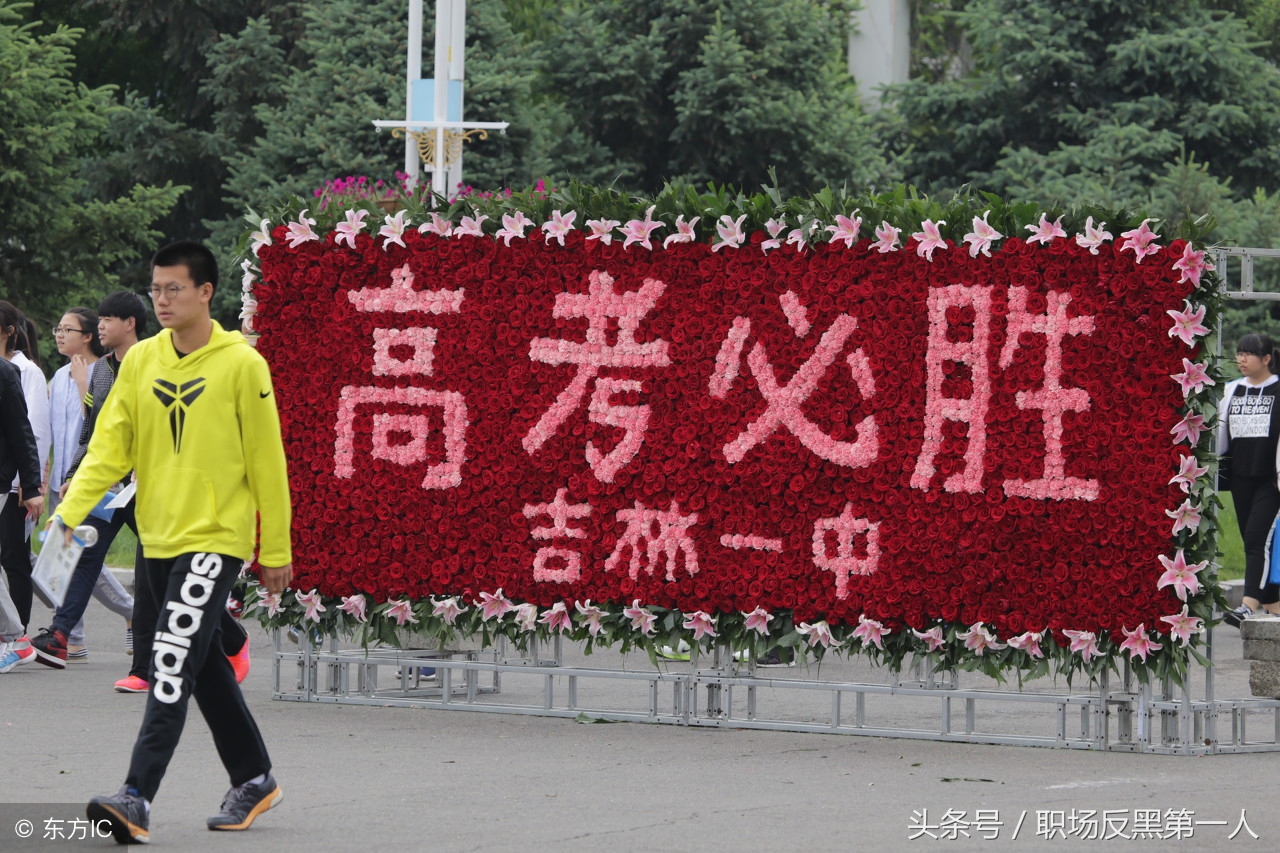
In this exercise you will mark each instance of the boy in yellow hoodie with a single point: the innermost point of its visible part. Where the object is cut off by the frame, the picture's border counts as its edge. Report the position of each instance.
(193, 413)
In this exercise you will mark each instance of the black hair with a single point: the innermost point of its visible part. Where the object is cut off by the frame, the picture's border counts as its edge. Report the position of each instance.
(89, 325)
(199, 261)
(32, 349)
(14, 326)
(124, 304)
(1261, 346)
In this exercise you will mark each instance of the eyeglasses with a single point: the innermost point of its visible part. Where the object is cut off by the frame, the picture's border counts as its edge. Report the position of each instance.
(68, 330)
(169, 291)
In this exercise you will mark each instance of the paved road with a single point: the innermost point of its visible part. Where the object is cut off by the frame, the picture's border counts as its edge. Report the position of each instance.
(373, 777)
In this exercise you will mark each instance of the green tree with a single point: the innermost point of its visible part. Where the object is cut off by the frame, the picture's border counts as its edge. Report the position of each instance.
(711, 90)
(1090, 101)
(60, 242)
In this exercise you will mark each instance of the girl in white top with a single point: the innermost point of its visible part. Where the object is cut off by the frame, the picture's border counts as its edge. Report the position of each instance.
(76, 335)
(1248, 434)
(15, 532)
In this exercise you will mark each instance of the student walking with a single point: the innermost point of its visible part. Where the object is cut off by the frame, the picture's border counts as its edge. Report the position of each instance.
(15, 522)
(193, 413)
(17, 457)
(1247, 439)
(76, 336)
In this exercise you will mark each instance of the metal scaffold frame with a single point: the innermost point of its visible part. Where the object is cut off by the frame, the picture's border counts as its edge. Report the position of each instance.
(717, 689)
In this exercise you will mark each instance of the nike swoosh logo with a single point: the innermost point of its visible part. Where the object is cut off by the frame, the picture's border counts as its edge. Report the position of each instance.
(264, 394)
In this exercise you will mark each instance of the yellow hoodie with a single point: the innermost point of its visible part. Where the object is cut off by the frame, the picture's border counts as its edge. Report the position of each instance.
(203, 434)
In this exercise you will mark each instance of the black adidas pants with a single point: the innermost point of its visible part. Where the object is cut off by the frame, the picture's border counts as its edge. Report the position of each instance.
(189, 594)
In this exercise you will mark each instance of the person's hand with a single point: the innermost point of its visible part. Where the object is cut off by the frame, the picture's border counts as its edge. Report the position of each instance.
(62, 490)
(80, 373)
(35, 506)
(276, 579)
(55, 523)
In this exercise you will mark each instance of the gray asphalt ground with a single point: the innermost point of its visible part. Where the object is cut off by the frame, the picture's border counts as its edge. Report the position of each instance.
(388, 777)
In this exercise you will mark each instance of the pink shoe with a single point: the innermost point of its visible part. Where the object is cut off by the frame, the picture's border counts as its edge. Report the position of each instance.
(240, 662)
(132, 684)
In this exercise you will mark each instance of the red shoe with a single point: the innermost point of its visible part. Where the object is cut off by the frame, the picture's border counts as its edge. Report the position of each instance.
(240, 662)
(51, 648)
(132, 684)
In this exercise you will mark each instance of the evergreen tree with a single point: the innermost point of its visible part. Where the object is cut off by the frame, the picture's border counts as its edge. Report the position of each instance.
(60, 242)
(1092, 101)
(712, 90)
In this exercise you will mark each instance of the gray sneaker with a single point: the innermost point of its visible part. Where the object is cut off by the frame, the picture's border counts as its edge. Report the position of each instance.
(125, 815)
(244, 803)
(1235, 617)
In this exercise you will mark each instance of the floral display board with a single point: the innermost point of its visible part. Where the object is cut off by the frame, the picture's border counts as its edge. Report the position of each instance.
(985, 444)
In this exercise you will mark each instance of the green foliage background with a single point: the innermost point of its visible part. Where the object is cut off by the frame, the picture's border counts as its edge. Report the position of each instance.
(133, 122)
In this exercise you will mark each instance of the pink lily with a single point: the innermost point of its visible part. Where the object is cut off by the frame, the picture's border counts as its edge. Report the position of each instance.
(1193, 377)
(1092, 237)
(869, 631)
(1137, 643)
(1188, 473)
(261, 237)
(846, 229)
(886, 238)
(312, 604)
(1141, 240)
(933, 639)
(775, 227)
(730, 231)
(819, 633)
(438, 225)
(470, 226)
(758, 621)
(526, 617)
(512, 226)
(495, 605)
(1180, 575)
(1188, 429)
(559, 226)
(642, 619)
(701, 624)
(355, 605)
(602, 229)
(300, 232)
(798, 237)
(1084, 642)
(557, 618)
(1192, 265)
(348, 230)
(638, 230)
(929, 238)
(393, 231)
(1185, 517)
(448, 609)
(1045, 232)
(684, 231)
(401, 610)
(1028, 642)
(978, 639)
(1182, 625)
(982, 236)
(591, 615)
(273, 602)
(1188, 324)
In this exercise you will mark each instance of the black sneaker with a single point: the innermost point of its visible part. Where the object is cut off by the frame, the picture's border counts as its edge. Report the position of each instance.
(125, 815)
(1231, 617)
(51, 648)
(245, 802)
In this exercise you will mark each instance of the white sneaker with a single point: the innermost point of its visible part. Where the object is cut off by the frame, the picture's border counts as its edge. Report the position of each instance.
(11, 656)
